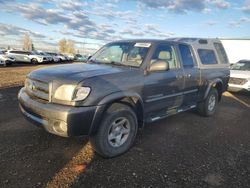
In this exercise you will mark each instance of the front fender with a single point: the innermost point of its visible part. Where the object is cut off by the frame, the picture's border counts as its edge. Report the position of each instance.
(109, 99)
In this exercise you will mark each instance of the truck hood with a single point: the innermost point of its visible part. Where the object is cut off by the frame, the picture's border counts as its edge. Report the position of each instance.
(73, 73)
(239, 74)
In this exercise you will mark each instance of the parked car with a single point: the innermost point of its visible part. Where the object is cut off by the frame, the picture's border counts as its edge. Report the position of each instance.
(79, 57)
(46, 55)
(240, 76)
(69, 56)
(6, 60)
(54, 56)
(26, 56)
(125, 85)
(61, 57)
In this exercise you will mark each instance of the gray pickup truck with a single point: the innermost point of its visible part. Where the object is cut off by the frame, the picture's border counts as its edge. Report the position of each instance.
(125, 85)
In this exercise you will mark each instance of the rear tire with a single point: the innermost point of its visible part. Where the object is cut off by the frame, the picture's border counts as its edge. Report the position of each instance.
(208, 106)
(117, 131)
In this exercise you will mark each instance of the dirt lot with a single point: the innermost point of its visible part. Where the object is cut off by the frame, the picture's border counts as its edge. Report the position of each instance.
(185, 150)
(15, 75)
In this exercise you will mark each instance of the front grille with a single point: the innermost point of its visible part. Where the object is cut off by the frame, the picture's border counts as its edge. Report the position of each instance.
(237, 81)
(37, 89)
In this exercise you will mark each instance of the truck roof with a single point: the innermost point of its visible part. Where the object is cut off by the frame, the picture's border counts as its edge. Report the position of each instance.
(191, 41)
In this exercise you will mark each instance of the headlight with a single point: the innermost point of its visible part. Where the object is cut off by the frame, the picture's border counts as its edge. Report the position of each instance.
(72, 93)
(81, 93)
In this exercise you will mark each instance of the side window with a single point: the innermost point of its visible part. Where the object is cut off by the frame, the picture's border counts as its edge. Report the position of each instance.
(207, 57)
(113, 53)
(13, 52)
(166, 53)
(221, 53)
(17, 52)
(186, 56)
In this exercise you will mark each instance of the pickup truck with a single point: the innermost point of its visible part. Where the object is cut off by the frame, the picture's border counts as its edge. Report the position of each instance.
(123, 86)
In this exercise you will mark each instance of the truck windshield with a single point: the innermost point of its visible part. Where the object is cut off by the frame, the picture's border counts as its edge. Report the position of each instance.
(123, 53)
(242, 65)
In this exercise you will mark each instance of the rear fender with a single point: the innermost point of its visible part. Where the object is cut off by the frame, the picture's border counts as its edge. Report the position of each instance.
(212, 84)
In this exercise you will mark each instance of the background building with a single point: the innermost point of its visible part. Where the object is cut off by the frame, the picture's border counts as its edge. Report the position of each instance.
(237, 49)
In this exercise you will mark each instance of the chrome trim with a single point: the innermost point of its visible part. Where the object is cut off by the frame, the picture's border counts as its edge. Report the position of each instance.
(38, 89)
(155, 118)
(172, 95)
(190, 91)
(34, 118)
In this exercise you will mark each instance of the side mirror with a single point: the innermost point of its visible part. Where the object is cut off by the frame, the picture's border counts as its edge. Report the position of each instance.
(159, 66)
(89, 57)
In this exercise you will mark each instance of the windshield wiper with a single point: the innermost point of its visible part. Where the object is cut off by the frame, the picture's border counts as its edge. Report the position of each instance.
(116, 63)
(110, 63)
(93, 61)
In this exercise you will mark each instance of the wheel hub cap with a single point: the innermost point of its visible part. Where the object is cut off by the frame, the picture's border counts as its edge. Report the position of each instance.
(119, 132)
(211, 103)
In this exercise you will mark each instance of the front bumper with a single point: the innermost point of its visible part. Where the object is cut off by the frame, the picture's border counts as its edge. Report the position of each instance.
(6, 61)
(236, 88)
(57, 119)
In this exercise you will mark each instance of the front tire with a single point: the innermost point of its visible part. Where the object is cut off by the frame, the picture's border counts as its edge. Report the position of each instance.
(34, 61)
(208, 106)
(117, 131)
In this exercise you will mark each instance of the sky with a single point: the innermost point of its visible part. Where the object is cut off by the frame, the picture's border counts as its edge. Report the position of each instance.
(90, 23)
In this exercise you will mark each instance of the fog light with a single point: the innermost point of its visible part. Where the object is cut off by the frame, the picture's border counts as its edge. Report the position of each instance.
(60, 126)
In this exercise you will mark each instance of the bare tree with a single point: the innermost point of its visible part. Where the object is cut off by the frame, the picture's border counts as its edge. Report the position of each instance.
(66, 46)
(62, 46)
(27, 42)
(70, 46)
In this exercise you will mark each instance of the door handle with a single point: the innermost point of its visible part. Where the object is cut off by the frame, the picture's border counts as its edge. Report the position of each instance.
(179, 77)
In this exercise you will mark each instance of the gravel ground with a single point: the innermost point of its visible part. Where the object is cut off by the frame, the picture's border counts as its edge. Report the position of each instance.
(185, 150)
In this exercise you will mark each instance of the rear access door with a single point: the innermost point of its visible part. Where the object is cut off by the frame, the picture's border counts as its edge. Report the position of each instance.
(191, 75)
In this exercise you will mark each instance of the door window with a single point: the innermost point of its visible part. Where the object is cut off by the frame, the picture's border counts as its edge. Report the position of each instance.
(166, 53)
(186, 56)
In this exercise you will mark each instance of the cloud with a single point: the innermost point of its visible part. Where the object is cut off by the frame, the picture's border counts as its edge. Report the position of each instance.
(146, 31)
(72, 5)
(177, 6)
(103, 19)
(11, 30)
(16, 35)
(246, 7)
(211, 23)
(187, 5)
(132, 32)
(221, 4)
(241, 21)
(184, 6)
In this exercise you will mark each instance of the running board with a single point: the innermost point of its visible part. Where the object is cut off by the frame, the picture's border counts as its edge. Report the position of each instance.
(171, 112)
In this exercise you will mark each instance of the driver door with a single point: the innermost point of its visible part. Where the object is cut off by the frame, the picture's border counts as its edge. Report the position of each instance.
(163, 90)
